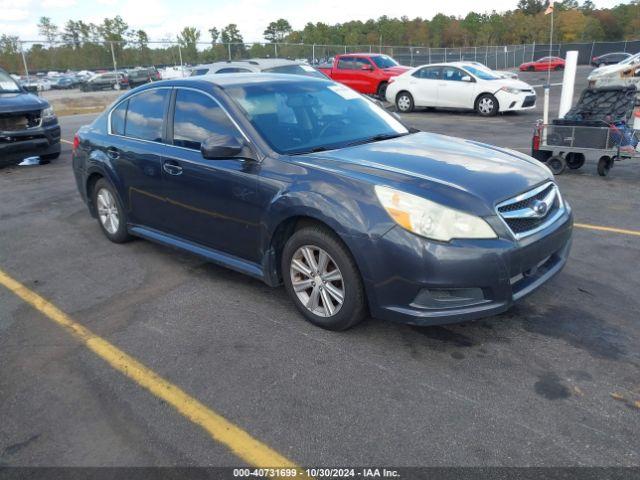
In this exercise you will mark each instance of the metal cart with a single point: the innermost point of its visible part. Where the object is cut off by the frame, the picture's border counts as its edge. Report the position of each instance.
(562, 146)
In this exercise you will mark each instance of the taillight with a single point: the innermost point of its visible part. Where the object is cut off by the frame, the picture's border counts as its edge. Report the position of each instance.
(76, 142)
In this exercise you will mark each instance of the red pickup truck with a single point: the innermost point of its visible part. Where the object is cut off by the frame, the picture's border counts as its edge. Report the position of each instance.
(366, 73)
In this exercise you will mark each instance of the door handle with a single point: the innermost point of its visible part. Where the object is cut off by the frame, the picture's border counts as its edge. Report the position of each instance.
(113, 153)
(171, 167)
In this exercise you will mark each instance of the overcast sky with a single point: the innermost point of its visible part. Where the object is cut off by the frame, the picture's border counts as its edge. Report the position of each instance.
(164, 18)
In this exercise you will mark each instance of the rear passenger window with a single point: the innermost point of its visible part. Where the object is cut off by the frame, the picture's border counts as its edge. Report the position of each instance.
(233, 70)
(118, 116)
(198, 117)
(144, 115)
(429, 73)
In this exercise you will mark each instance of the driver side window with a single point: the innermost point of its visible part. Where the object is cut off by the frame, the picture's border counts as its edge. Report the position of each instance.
(452, 74)
(198, 117)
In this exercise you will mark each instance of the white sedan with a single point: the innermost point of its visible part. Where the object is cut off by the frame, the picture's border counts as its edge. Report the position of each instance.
(459, 85)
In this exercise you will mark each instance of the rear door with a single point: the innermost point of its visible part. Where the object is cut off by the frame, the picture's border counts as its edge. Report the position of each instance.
(343, 71)
(213, 202)
(423, 85)
(135, 150)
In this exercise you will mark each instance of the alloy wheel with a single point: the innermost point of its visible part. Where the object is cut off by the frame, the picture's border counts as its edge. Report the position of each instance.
(317, 281)
(107, 211)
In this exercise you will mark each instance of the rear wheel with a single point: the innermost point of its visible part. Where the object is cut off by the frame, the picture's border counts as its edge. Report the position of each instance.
(487, 105)
(404, 102)
(111, 216)
(322, 279)
(557, 165)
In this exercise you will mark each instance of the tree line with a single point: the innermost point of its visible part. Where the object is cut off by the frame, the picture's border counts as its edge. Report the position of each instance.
(81, 45)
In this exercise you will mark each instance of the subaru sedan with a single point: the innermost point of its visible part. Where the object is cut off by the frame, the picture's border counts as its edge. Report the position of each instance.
(303, 182)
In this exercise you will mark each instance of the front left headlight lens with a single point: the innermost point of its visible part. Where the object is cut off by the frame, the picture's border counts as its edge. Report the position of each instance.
(430, 219)
(48, 113)
(512, 91)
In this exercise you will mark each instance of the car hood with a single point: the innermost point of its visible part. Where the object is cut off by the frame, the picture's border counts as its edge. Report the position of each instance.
(511, 83)
(448, 167)
(399, 70)
(21, 102)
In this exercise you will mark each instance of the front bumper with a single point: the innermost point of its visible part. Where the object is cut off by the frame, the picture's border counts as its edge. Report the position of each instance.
(18, 145)
(510, 102)
(417, 281)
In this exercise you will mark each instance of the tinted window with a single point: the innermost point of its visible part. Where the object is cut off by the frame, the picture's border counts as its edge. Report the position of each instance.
(199, 71)
(359, 62)
(429, 73)
(118, 118)
(198, 117)
(144, 115)
(384, 61)
(452, 74)
(233, 70)
(346, 64)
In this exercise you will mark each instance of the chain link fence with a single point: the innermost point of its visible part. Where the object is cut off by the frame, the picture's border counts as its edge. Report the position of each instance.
(30, 57)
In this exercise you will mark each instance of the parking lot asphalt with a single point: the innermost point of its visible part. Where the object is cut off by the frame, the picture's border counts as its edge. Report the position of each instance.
(553, 382)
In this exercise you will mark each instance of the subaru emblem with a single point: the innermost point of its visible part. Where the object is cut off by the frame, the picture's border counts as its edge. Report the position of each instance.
(540, 208)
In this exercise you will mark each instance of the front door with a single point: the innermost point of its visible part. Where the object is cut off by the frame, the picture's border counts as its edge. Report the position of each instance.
(213, 202)
(456, 88)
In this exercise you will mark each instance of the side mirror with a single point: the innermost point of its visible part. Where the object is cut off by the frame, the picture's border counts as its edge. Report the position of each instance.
(218, 147)
(466, 78)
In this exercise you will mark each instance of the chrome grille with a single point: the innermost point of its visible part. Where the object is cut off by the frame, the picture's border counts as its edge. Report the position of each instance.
(532, 211)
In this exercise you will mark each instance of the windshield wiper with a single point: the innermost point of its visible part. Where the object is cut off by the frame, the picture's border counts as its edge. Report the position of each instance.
(376, 138)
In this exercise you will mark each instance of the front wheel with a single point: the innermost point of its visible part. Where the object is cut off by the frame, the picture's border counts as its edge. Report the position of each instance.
(322, 279)
(382, 91)
(487, 105)
(604, 165)
(404, 102)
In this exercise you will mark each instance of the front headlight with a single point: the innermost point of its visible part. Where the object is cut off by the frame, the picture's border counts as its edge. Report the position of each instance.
(429, 219)
(512, 91)
(48, 113)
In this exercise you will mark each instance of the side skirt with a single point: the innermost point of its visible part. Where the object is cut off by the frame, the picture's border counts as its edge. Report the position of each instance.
(214, 256)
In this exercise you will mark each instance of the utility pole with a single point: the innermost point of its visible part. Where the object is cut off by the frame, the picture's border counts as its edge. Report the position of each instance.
(115, 67)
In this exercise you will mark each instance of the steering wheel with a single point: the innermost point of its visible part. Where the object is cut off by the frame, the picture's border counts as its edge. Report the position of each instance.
(332, 123)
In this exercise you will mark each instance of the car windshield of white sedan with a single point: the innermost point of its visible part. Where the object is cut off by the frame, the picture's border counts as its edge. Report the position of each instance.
(8, 84)
(382, 61)
(309, 117)
(482, 74)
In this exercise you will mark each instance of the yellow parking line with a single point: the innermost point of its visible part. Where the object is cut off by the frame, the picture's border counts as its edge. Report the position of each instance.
(243, 445)
(607, 229)
(66, 141)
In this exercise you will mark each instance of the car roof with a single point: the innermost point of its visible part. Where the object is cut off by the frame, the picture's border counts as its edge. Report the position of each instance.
(252, 63)
(239, 79)
(363, 54)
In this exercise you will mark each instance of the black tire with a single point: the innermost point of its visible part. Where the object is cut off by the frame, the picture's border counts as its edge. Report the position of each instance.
(354, 307)
(559, 67)
(407, 99)
(575, 160)
(480, 102)
(531, 68)
(382, 91)
(604, 165)
(557, 165)
(121, 235)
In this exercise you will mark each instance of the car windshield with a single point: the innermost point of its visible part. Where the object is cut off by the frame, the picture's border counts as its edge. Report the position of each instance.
(382, 61)
(631, 60)
(481, 73)
(8, 84)
(310, 116)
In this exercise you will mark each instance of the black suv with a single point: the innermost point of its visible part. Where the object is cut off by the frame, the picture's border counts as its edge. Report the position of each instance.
(28, 126)
(105, 81)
